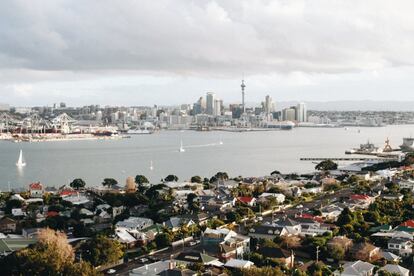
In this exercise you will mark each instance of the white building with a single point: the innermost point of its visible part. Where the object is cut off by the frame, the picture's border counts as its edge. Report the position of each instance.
(210, 101)
(301, 113)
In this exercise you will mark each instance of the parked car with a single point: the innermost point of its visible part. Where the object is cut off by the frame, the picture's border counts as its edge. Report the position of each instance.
(111, 271)
(143, 260)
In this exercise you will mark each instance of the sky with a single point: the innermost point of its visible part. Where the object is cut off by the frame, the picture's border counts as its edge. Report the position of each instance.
(168, 52)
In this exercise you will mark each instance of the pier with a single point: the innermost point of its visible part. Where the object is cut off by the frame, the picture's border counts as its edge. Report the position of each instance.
(346, 159)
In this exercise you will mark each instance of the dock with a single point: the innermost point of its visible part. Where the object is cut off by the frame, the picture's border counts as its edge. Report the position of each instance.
(346, 159)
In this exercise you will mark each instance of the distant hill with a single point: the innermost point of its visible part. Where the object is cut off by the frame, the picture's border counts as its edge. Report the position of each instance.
(354, 105)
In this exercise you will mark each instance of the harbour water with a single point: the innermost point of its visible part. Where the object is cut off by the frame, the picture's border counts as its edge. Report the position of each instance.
(247, 154)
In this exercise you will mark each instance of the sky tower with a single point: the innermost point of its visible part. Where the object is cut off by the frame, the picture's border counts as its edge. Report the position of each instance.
(243, 105)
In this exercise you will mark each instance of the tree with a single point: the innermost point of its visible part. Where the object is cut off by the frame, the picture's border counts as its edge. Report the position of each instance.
(163, 240)
(326, 165)
(171, 178)
(275, 172)
(102, 250)
(222, 176)
(141, 179)
(77, 183)
(192, 202)
(196, 179)
(291, 242)
(233, 217)
(268, 271)
(337, 252)
(11, 204)
(110, 182)
(51, 255)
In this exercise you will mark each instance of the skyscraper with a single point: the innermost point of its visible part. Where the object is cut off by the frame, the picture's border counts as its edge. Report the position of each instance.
(217, 107)
(268, 105)
(210, 99)
(288, 114)
(301, 113)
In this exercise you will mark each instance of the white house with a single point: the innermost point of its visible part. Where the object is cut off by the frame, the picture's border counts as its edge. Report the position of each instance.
(401, 246)
(358, 268)
(134, 223)
(279, 197)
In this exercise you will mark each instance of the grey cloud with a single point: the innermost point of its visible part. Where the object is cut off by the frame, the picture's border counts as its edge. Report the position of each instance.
(215, 38)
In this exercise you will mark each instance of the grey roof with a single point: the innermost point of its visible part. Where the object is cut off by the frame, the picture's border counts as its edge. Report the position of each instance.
(267, 229)
(150, 269)
(396, 269)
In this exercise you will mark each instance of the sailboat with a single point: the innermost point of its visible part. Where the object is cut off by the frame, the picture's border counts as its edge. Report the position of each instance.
(181, 147)
(151, 166)
(220, 141)
(20, 163)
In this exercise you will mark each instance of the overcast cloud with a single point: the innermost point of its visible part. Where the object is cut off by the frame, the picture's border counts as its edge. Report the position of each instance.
(169, 52)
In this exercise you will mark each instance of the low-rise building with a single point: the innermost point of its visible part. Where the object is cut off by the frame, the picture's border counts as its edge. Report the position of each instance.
(135, 223)
(401, 246)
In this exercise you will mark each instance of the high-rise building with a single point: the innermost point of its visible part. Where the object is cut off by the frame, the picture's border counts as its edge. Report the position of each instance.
(289, 114)
(210, 100)
(217, 107)
(301, 113)
(268, 105)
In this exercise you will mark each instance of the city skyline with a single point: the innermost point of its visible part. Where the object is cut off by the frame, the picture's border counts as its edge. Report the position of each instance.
(292, 51)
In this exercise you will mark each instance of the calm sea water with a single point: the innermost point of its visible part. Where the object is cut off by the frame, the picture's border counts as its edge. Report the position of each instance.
(247, 154)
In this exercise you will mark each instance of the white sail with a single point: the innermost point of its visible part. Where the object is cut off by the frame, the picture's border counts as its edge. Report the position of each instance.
(20, 162)
(151, 166)
(181, 147)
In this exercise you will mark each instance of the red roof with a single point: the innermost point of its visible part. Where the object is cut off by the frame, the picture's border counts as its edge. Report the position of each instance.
(36, 186)
(52, 214)
(245, 199)
(408, 223)
(309, 216)
(67, 192)
(360, 197)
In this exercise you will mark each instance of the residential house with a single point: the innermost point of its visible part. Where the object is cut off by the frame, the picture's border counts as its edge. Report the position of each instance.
(191, 257)
(398, 197)
(125, 237)
(225, 243)
(357, 268)
(267, 231)
(249, 201)
(31, 233)
(390, 257)
(238, 264)
(407, 184)
(401, 246)
(7, 225)
(280, 198)
(283, 256)
(331, 212)
(36, 190)
(134, 223)
(395, 270)
(175, 223)
(365, 252)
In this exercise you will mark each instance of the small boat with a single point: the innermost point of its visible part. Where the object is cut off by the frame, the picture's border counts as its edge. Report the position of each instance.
(181, 149)
(151, 166)
(21, 163)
